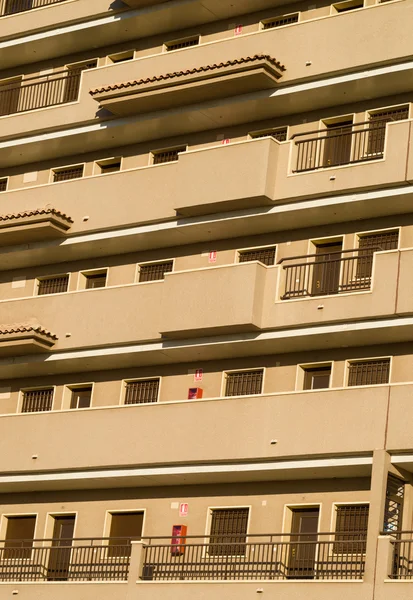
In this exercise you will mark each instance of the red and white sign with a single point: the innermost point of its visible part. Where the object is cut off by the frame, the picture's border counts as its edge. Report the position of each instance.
(238, 29)
(183, 509)
(199, 374)
(226, 141)
(212, 256)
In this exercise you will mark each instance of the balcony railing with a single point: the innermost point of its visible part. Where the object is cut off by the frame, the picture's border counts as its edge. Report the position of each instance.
(402, 559)
(277, 556)
(341, 145)
(325, 274)
(91, 559)
(61, 87)
(12, 7)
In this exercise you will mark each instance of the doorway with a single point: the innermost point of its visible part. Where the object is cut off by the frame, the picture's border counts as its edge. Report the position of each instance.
(302, 556)
(337, 144)
(60, 551)
(326, 270)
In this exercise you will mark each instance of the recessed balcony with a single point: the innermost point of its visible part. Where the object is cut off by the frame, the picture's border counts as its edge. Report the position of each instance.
(200, 84)
(214, 300)
(32, 226)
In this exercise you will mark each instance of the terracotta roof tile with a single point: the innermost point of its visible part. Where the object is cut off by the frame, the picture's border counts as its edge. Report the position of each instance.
(176, 74)
(35, 212)
(10, 329)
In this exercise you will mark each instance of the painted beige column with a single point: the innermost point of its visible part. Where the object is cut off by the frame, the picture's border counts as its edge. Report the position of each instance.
(380, 469)
(136, 563)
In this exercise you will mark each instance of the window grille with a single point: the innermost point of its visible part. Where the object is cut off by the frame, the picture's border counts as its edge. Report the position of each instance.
(166, 156)
(386, 240)
(37, 400)
(393, 509)
(144, 391)
(280, 21)
(69, 173)
(182, 44)
(369, 372)
(228, 531)
(53, 285)
(244, 383)
(351, 529)
(279, 134)
(264, 255)
(155, 271)
(377, 127)
(3, 185)
(95, 281)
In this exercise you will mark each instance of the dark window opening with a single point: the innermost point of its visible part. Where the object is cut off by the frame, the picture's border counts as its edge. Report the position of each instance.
(155, 271)
(95, 281)
(144, 391)
(264, 255)
(244, 383)
(228, 531)
(19, 537)
(351, 529)
(81, 397)
(67, 174)
(279, 134)
(317, 378)
(280, 21)
(53, 285)
(167, 156)
(369, 372)
(178, 45)
(37, 400)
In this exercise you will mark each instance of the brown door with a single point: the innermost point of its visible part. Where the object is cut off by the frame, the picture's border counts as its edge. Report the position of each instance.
(60, 552)
(303, 543)
(337, 144)
(326, 273)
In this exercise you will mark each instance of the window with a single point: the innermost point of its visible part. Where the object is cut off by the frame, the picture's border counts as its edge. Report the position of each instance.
(124, 527)
(280, 21)
(95, 280)
(143, 391)
(280, 134)
(53, 285)
(264, 255)
(81, 397)
(377, 126)
(19, 537)
(121, 57)
(317, 378)
(185, 43)
(112, 165)
(393, 508)
(374, 242)
(351, 529)
(369, 372)
(3, 184)
(166, 156)
(347, 6)
(228, 531)
(67, 173)
(244, 383)
(155, 271)
(37, 400)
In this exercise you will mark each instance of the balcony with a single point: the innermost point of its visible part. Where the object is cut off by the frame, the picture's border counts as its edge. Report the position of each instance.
(32, 226)
(285, 415)
(269, 557)
(213, 300)
(200, 84)
(402, 555)
(16, 340)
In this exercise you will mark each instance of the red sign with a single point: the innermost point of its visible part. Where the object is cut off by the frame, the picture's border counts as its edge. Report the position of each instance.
(212, 256)
(226, 141)
(199, 373)
(183, 509)
(238, 29)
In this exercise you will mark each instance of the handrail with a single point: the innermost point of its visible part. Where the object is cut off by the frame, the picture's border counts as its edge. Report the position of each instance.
(349, 126)
(373, 249)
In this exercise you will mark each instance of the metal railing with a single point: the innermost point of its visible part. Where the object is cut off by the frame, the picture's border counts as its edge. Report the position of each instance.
(12, 7)
(81, 559)
(325, 274)
(21, 95)
(276, 556)
(402, 558)
(341, 145)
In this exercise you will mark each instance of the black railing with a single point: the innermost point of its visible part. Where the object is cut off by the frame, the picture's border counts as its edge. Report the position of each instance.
(60, 87)
(277, 556)
(402, 558)
(82, 559)
(341, 145)
(12, 7)
(325, 274)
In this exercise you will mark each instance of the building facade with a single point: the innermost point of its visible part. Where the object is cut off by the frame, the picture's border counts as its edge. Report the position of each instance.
(206, 314)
